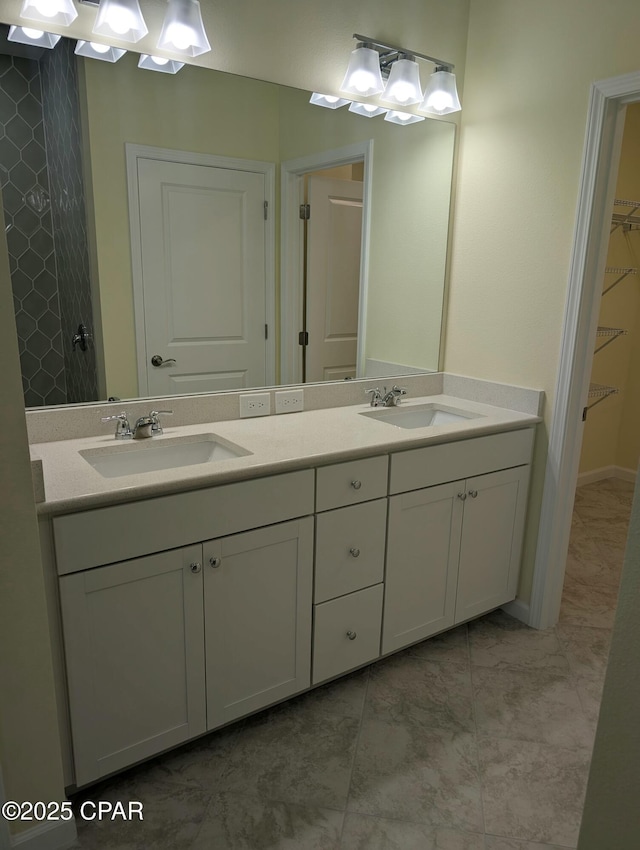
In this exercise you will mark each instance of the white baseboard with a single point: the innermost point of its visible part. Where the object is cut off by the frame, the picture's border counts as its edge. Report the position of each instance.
(606, 472)
(519, 610)
(47, 836)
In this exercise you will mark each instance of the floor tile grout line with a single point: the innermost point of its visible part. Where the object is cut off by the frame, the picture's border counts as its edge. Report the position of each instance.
(477, 737)
(355, 755)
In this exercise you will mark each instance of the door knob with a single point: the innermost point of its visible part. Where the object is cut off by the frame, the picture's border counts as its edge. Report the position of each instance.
(157, 360)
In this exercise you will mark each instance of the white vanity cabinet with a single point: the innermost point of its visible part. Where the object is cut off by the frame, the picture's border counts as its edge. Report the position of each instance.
(453, 548)
(134, 646)
(257, 609)
(162, 647)
(349, 565)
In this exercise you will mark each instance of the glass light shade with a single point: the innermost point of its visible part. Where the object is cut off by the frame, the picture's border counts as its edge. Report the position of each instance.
(363, 76)
(402, 118)
(183, 30)
(93, 50)
(403, 86)
(441, 96)
(33, 37)
(159, 63)
(329, 101)
(59, 12)
(369, 110)
(121, 19)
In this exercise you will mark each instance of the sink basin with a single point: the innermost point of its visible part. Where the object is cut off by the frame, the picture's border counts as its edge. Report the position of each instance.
(420, 415)
(160, 453)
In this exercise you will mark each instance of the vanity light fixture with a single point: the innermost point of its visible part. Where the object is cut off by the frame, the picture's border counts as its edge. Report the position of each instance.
(441, 96)
(363, 76)
(95, 50)
(402, 118)
(33, 37)
(59, 12)
(403, 86)
(400, 68)
(183, 30)
(369, 110)
(159, 63)
(121, 19)
(329, 101)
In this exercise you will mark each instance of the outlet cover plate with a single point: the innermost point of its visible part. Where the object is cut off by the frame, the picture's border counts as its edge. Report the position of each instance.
(255, 404)
(289, 401)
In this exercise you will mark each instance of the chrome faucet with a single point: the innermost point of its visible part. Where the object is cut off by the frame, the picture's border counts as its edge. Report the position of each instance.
(123, 429)
(145, 426)
(389, 399)
(393, 397)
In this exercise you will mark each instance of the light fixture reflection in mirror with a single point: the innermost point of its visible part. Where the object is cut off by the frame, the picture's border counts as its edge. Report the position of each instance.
(262, 122)
(33, 37)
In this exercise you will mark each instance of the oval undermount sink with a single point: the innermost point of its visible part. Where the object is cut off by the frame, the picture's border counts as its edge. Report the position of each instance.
(420, 415)
(160, 453)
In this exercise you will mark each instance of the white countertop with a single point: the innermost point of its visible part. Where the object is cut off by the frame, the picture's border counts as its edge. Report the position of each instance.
(277, 443)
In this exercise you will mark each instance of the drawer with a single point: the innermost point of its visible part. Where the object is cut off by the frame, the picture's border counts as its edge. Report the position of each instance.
(349, 483)
(417, 468)
(346, 632)
(350, 545)
(120, 532)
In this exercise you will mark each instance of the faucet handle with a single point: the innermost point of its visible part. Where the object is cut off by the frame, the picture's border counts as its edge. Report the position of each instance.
(156, 428)
(123, 429)
(375, 396)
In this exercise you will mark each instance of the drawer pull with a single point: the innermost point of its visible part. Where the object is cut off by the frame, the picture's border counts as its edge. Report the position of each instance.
(462, 496)
(473, 493)
(215, 562)
(195, 567)
(355, 552)
(352, 635)
(356, 484)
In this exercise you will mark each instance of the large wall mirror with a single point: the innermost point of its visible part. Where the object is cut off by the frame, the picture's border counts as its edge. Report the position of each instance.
(155, 238)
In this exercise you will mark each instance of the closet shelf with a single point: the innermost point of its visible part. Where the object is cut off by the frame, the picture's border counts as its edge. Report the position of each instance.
(610, 334)
(600, 392)
(630, 218)
(622, 274)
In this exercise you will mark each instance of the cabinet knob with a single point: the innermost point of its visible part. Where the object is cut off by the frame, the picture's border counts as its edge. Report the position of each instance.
(473, 493)
(215, 562)
(356, 484)
(462, 496)
(355, 552)
(195, 567)
(352, 635)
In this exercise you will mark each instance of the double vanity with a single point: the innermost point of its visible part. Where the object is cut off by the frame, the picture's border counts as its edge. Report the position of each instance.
(223, 566)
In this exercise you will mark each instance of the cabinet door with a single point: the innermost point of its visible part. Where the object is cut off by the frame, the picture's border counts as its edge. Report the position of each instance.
(134, 646)
(494, 514)
(422, 560)
(257, 618)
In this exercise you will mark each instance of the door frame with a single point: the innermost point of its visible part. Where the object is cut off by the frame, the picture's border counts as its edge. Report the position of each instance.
(292, 173)
(601, 156)
(268, 169)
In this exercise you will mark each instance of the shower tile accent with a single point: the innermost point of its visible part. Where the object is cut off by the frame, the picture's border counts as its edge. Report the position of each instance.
(64, 154)
(29, 229)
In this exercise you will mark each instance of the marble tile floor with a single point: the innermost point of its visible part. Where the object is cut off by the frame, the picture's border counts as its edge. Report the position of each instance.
(479, 739)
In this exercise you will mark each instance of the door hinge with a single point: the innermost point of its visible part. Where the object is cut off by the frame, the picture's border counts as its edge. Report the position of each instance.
(584, 414)
(303, 338)
(266, 331)
(305, 212)
(266, 210)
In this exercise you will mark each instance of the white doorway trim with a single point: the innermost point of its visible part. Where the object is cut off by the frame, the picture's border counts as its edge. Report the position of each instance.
(268, 169)
(601, 156)
(292, 252)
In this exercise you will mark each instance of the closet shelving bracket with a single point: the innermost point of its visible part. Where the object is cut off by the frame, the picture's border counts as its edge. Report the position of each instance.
(599, 392)
(628, 220)
(622, 274)
(609, 334)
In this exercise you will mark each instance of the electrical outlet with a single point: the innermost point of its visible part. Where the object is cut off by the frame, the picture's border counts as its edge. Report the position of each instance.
(289, 401)
(255, 404)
